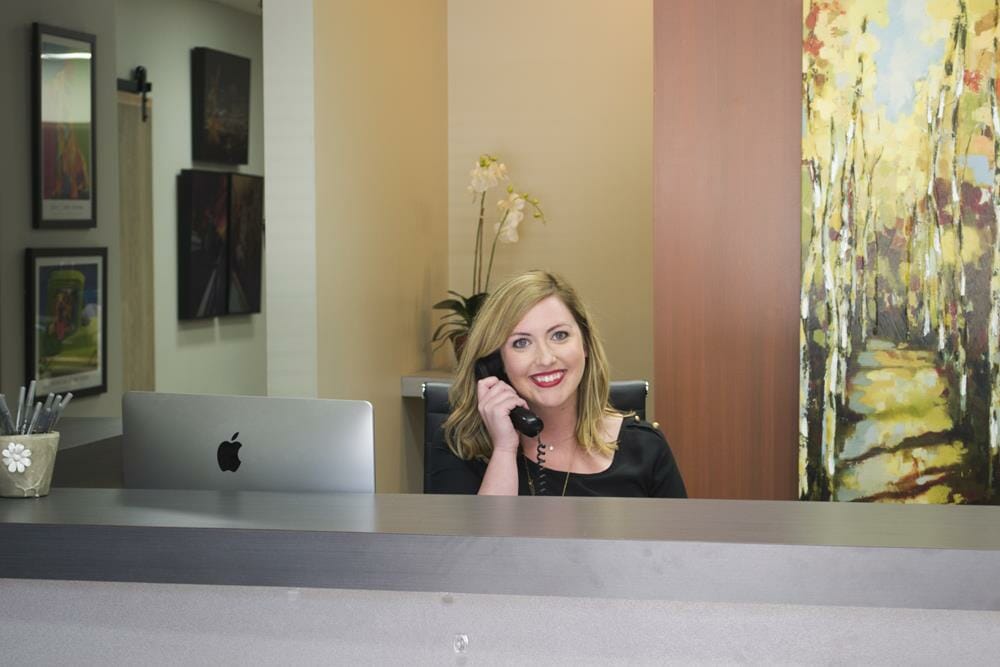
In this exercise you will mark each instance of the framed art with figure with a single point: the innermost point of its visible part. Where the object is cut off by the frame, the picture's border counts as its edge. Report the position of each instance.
(67, 319)
(63, 134)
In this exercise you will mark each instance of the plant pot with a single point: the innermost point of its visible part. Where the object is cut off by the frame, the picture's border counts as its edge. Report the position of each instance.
(31, 481)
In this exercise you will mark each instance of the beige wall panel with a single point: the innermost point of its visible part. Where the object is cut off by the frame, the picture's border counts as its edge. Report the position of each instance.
(562, 91)
(381, 220)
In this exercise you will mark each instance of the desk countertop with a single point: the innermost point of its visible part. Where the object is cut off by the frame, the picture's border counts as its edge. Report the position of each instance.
(699, 550)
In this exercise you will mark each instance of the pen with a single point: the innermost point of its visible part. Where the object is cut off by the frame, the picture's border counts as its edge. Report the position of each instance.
(29, 402)
(34, 418)
(20, 405)
(59, 409)
(54, 413)
(43, 422)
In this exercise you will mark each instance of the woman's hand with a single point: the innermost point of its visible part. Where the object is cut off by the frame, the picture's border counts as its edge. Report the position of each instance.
(496, 400)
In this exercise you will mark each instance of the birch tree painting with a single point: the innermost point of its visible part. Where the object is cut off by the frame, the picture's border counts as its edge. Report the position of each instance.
(899, 397)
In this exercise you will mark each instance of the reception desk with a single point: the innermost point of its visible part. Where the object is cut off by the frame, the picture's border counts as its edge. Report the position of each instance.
(671, 565)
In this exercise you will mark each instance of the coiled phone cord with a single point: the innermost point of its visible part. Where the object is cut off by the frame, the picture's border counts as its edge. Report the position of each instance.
(540, 488)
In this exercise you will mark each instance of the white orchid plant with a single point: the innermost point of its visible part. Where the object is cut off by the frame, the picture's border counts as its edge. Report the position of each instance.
(488, 173)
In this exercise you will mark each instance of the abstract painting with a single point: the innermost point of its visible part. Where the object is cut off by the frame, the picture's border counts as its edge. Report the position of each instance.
(246, 237)
(220, 106)
(202, 230)
(63, 128)
(900, 295)
(67, 319)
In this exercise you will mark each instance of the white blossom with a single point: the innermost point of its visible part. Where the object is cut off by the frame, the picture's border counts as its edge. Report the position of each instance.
(16, 457)
(511, 213)
(487, 174)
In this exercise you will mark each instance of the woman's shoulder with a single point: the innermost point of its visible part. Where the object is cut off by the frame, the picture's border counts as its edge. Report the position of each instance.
(640, 441)
(641, 430)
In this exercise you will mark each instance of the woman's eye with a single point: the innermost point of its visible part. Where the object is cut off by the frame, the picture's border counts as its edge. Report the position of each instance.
(560, 335)
(519, 343)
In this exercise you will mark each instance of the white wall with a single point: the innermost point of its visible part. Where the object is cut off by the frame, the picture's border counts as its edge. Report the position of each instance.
(96, 17)
(290, 206)
(562, 90)
(223, 355)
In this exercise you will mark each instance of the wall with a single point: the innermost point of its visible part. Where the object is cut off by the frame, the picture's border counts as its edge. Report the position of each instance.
(562, 92)
(98, 18)
(381, 221)
(728, 128)
(290, 205)
(222, 355)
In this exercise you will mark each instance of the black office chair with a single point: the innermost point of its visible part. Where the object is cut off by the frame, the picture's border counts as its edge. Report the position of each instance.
(626, 395)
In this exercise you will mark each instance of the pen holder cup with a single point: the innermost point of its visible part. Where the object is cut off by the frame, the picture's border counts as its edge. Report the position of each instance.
(26, 463)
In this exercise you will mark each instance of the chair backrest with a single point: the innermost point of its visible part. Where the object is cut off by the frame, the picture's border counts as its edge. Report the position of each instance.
(626, 395)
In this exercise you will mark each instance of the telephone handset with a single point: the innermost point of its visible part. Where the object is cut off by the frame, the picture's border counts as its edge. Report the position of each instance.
(524, 420)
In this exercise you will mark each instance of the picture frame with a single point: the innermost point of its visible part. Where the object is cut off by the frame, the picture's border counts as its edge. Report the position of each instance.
(66, 320)
(202, 250)
(220, 106)
(245, 241)
(64, 111)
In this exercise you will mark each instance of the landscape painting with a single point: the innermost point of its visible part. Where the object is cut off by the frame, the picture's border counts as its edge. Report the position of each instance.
(67, 320)
(900, 294)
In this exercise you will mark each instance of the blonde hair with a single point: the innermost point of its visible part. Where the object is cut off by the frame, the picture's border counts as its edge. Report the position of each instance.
(464, 429)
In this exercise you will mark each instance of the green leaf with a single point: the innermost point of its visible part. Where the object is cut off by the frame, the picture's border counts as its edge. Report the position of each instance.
(450, 304)
(474, 303)
(442, 332)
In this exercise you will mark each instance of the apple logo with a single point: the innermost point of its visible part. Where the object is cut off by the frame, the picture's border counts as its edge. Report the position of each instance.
(229, 453)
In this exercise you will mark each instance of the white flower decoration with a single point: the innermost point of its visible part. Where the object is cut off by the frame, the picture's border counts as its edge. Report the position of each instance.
(16, 457)
(511, 210)
(487, 174)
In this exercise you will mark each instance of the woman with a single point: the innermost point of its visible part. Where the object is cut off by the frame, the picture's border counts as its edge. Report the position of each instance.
(555, 367)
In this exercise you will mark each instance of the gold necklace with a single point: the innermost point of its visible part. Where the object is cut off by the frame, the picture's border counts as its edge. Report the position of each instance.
(552, 447)
(531, 482)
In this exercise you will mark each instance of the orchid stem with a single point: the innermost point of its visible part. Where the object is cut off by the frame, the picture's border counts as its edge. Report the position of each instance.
(477, 262)
(493, 250)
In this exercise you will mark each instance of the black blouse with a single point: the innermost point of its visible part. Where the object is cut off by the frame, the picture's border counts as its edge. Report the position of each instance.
(642, 466)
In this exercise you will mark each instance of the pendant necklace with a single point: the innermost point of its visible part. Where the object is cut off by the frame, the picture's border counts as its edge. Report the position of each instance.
(531, 482)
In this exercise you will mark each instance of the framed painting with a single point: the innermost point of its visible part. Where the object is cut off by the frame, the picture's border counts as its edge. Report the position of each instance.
(64, 143)
(67, 319)
(220, 106)
(202, 254)
(899, 387)
(246, 242)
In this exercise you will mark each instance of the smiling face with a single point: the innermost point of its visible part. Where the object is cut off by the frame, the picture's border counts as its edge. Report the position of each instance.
(545, 357)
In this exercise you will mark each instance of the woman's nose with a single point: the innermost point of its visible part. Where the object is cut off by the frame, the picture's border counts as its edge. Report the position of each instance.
(545, 354)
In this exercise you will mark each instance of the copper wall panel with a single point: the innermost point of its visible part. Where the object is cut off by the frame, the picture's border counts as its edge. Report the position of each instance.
(727, 128)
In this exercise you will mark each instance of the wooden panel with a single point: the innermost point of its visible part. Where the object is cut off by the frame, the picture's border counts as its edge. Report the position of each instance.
(726, 241)
(135, 165)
